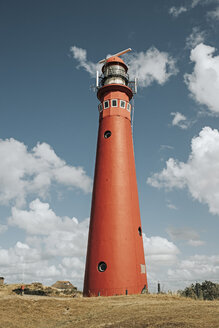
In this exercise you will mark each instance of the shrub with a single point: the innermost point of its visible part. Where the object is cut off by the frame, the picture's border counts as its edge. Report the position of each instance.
(208, 290)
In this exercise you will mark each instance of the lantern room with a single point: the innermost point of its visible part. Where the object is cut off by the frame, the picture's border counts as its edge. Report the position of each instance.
(115, 72)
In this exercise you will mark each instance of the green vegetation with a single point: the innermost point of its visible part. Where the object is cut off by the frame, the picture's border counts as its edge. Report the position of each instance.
(206, 291)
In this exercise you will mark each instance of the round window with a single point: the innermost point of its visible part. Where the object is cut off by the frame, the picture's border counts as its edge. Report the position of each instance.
(107, 134)
(102, 266)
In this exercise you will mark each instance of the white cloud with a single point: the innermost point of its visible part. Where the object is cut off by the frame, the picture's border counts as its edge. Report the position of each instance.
(200, 174)
(24, 172)
(175, 12)
(214, 14)
(54, 249)
(197, 267)
(180, 120)
(171, 206)
(203, 83)
(40, 219)
(57, 252)
(190, 236)
(23, 263)
(150, 66)
(166, 147)
(159, 251)
(160, 255)
(195, 38)
(81, 56)
(196, 243)
(202, 2)
(63, 236)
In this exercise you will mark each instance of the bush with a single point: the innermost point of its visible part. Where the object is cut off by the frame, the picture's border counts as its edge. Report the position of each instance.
(207, 290)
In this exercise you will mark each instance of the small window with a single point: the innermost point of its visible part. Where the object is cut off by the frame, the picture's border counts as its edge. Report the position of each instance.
(114, 103)
(139, 231)
(107, 134)
(100, 107)
(143, 268)
(106, 104)
(102, 267)
(128, 107)
(122, 103)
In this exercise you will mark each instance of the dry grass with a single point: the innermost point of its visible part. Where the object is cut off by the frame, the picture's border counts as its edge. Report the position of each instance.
(161, 311)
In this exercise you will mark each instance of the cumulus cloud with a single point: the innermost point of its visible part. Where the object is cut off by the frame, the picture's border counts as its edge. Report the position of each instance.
(214, 14)
(81, 56)
(202, 267)
(149, 66)
(24, 172)
(54, 249)
(61, 235)
(189, 235)
(160, 255)
(203, 83)
(180, 120)
(24, 263)
(200, 174)
(195, 38)
(175, 12)
(159, 251)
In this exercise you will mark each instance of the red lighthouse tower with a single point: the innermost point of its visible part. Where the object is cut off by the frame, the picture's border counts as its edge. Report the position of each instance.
(115, 262)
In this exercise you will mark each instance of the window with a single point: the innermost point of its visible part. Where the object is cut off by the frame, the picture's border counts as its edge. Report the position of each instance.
(143, 268)
(114, 103)
(100, 107)
(106, 104)
(139, 231)
(122, 103)
(129, 107)
(102, 267)
(107, 134)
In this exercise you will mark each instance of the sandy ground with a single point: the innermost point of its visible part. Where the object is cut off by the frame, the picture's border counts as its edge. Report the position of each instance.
(119, 311)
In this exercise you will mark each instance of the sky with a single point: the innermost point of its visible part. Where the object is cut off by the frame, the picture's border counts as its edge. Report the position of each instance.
(48, 132)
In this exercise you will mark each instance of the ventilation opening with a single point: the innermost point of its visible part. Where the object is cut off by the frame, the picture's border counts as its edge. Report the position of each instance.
(107, 134)
(102, 267)
(139, 231)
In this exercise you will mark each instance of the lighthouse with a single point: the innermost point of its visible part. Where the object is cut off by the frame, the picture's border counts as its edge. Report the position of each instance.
(115, 263)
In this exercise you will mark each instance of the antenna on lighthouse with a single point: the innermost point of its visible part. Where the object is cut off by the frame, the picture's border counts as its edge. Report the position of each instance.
(97, 79)
(116, 55)
(136, 85)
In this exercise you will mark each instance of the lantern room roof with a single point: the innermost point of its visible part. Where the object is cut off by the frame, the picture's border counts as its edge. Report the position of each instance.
(115, 60)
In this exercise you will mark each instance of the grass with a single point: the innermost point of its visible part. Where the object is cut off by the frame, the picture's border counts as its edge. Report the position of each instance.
(163, 311)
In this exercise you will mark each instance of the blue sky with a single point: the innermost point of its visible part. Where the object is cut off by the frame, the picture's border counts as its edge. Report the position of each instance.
(48, 132)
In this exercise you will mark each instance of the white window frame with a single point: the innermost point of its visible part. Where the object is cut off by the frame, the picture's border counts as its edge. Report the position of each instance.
(100, 107)
(121, 101)
(115, 101)
(128, 107)
(106, 102)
